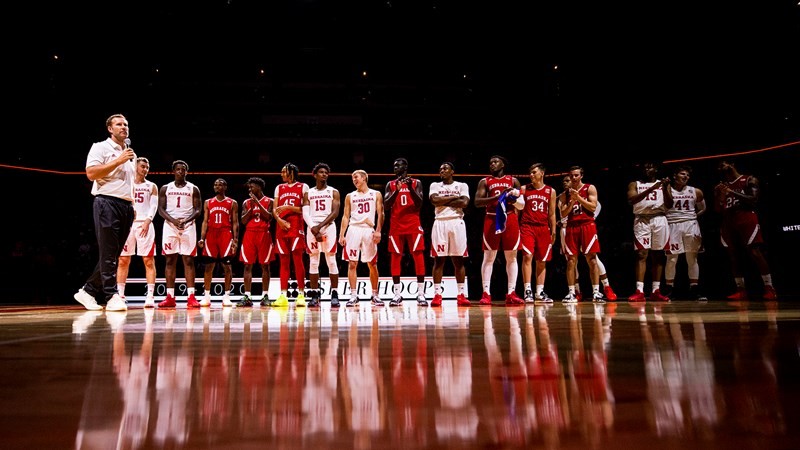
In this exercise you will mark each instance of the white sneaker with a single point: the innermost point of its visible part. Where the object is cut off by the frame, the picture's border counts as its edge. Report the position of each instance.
(597, 297)
(206, 301)
(149, 301)
(87, 300)
(116, 303)
(528, 296)
(570, 298)
(226, 300)
(541, 297)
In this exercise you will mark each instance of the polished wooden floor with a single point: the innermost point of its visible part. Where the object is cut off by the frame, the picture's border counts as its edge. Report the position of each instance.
(618, 376)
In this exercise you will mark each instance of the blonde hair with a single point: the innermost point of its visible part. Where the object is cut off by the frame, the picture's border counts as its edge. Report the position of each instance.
(362, 172)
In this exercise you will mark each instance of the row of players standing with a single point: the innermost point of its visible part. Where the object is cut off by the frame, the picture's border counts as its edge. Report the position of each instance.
(665, 226)
(179, 203)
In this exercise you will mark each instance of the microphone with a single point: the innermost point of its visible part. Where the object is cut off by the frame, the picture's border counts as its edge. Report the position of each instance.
(127, 142)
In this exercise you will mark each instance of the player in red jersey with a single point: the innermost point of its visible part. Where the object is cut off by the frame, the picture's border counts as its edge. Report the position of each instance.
(290, 236)
(736, 198)
(403, 199)
(219, 237)
(537, 224)
(500, 230)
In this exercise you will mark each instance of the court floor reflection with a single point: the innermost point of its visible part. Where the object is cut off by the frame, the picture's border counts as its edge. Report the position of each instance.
(672, 375)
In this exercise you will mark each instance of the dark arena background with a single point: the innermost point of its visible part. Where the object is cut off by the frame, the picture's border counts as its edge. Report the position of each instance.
(240, 88)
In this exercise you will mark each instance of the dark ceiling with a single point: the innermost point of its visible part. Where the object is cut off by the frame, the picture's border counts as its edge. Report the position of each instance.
(454, 77)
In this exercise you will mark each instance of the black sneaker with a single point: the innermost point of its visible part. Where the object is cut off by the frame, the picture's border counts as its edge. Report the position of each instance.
(265, 300)
(696, 295)
(667, 290)
(314, 302)
(397, 301)
(245, 302)
(352, 302)
(334, 299)
(376, 301)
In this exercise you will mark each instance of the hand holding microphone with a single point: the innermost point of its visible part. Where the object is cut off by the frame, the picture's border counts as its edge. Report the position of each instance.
(128, 148)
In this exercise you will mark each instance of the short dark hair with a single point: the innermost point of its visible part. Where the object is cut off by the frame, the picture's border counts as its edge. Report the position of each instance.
(320, 165)
(221, 180)
(403, 160)
(682, 168)
(576, 168)
(452, 167)
(180, 161)
(535, 165)
(501, 158)
(256, 180)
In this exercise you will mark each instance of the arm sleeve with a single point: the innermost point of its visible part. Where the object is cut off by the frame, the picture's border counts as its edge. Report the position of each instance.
(307, 215)
(151, 211)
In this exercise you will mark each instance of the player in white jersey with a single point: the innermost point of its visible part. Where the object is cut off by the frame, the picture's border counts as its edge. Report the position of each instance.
(449, 232)
(684, 230)
(650, 198)
(362, 222)
(179, 203)
(142, 238)
(321, 205)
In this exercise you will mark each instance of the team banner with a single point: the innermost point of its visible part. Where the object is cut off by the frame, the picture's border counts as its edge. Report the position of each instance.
(135, 288)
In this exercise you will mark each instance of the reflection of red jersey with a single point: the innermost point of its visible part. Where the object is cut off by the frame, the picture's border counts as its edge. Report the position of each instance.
(496, 186)
(292, 195)
(405, 214)
(257, 222)
(537, 206)
(409, 374)
(578, 214)
(219, 213)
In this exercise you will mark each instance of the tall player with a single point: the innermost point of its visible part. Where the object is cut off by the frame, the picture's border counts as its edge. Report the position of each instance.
(537, 225)
(736, 197)
(321, 205)
(179, 204)
(403, 199)
(142, 238)
(500, 226)
(651, 198)
(219, 237)
(289, 233)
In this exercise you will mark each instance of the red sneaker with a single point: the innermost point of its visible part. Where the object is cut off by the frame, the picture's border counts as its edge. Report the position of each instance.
(486, 299)
(656, 296)
(437, 300)
(739, 295)
(168, 302)
(769, 293)
(637, 296)
(512, 299)
(578, 296)
(462, 300)
(609, 293)
(191, 302)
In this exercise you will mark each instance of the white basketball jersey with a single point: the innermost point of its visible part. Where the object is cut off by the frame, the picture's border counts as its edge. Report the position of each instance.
(651, 205)
(684, 207)
(320, 203)
(362, 208)
(180, 200)
(142, 196)
(455, 189)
